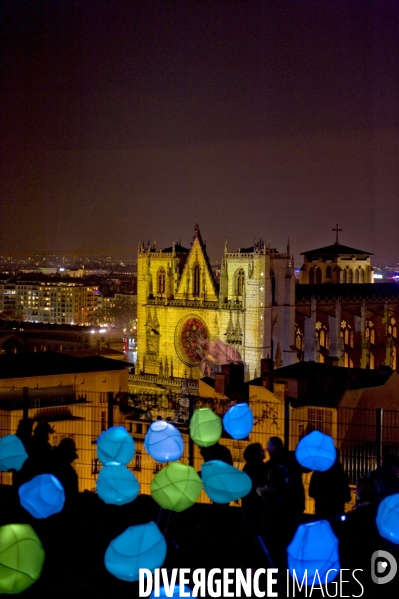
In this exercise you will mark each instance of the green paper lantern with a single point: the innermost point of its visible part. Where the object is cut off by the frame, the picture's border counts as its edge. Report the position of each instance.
(176, 487)
(205, 427)
(21, 558)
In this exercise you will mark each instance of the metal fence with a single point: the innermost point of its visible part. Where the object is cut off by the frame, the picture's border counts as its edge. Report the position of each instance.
(362, 436)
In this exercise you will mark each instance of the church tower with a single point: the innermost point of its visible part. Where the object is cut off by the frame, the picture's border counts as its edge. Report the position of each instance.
(336, 263)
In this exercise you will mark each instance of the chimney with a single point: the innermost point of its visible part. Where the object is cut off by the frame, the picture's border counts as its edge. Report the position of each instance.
(234, 374)
(267, 381)
(220, 383)
(266, 365)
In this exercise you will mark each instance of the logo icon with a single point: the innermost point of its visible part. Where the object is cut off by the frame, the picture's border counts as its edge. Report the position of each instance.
(383, 567)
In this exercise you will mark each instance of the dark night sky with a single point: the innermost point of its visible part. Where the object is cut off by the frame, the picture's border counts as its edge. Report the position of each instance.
(129, 120)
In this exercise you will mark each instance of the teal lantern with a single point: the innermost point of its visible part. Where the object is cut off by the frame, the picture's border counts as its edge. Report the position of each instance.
(141, 546)
(316, 451)
(116, 484)
(224, 483)
(314, 547)
(42, 496)
(163, 442)
(21, 558)
(176, 487)
(205, 427)
(238, 421)
(115, 445)
(12, 453)
(388, 518)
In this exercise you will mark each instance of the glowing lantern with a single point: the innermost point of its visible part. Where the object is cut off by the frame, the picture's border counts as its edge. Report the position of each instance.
(115, 445)
(176, 487)
(141, 546)
(205, 427)
(42, 496)
(388, 518)
(21, 558)
(176, 592)
(224, 483)
(12, 453)
(316, 451)
(164, 442)
(314, 547)
(238, 421)
(116, 484)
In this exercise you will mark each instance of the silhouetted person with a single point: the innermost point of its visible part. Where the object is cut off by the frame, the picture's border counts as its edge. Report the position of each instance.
(278, 524)
(386, 476)
(40, 452)
(217, 452)
(24, 432)
(63, 457)
(330, 490)
(255, 467)
(359, 536)
(279, 457)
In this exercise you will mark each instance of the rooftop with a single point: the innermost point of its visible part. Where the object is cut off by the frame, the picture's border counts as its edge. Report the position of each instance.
(49, 363)
(323, 384)
(335, 249)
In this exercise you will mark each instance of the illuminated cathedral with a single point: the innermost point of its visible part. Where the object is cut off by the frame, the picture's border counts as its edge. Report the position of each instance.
(189, 323)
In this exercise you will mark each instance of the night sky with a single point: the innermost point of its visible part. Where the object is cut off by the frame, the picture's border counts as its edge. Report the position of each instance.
(124, 121)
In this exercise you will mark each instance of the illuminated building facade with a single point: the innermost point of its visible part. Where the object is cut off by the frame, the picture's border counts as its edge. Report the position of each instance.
(356, 325)
(336, 263)
(50, 300)
(188, 324)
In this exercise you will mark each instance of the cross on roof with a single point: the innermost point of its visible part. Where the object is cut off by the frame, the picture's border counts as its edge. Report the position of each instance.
(337, 229)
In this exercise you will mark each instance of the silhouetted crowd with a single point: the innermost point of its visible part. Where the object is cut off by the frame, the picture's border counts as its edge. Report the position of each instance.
(276, 503)
(45, 459)
(275, 506)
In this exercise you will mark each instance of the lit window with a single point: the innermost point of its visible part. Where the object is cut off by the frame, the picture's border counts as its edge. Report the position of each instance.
(240, 277)
(161, 280)
(196, 281)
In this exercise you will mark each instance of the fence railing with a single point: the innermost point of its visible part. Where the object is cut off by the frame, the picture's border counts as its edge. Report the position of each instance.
(362, 436)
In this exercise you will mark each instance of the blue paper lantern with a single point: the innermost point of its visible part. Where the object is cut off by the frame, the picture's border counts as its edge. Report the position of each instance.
(141, 546)
(238, 421)
(224, 483)
(115, 445)
(12, 453)
(316, 451)
(388, 518)
(176, 592)
(42, 496)
(164, 442)
(314, 547)
(117, 485)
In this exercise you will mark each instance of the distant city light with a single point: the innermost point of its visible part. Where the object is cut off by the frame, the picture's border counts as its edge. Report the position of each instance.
(378, 276)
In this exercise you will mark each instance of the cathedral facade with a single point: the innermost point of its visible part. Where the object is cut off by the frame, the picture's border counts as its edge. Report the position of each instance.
(189, 323)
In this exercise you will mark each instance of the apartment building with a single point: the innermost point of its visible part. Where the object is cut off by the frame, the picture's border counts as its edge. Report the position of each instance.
(50, 300)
